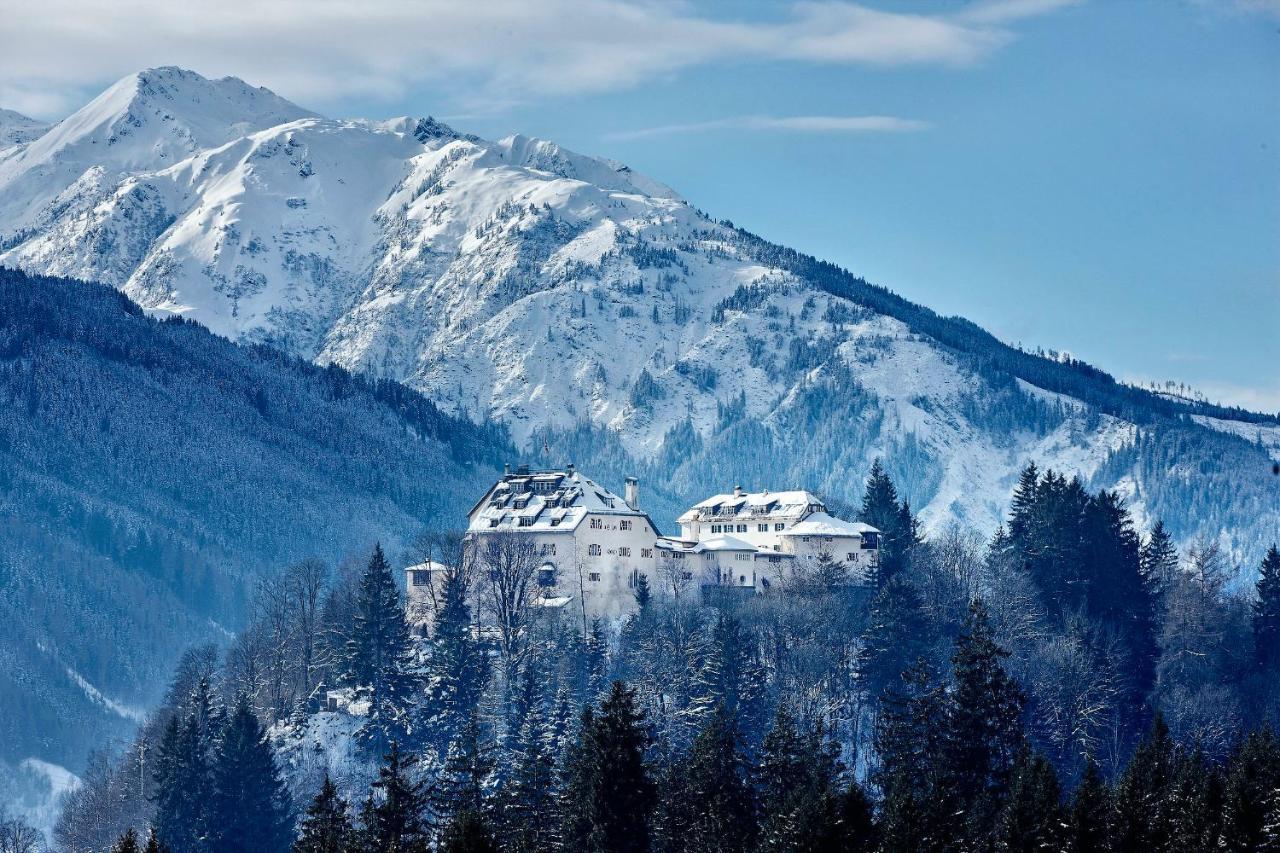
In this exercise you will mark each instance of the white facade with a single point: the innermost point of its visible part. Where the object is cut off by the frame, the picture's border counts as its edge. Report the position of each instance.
(592, 545)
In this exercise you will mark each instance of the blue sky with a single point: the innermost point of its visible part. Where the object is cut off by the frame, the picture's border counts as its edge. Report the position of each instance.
(1101, 177)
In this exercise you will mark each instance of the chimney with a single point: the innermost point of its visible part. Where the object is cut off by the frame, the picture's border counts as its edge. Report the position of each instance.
(569, 469)
(506, 468)
(633, 493)
(737, 491)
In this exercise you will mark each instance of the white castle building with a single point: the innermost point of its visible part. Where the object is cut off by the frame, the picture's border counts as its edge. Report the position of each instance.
(588, 546)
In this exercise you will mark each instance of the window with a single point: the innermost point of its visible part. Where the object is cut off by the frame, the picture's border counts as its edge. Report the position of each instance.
(547, 576)
(742, 579)
(762, 528)
(773, 559)
(687, 575)
(594, 577)
(597, 523)
(548, 549)
(646, 552)
(679, 555)
(742, 558)
(593, 549)
(526, 521)
(421, 578)
(870, 540)
(715, 528)
(494, 522)
(853, 558)
(624, 552)
(742, 528)
(625, 524)
(779, 526)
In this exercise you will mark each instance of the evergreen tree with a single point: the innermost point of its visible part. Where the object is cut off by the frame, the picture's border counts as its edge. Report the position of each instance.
(643, 594)
(857, 831)
(128, 842)
(153, 843)
(1032, 818)
(468, 833)
(983, 736)
(1141, 820)
(1159, 559)
(327, 826)
(609, 793)
(1266, 613)
(392, 820)
(898, 634)
(909, 739)
(378, 654)
(706, 804)
(183, 774)
(880, 509)
(1195, 804)
(457, 671)
(468, 764)
(1089, 820)
(795, 785)
(250, 807)
(1252, 781)
(527, 809)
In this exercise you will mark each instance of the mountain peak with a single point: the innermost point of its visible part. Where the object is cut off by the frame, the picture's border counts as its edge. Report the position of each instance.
(547, 156)
(15, 128)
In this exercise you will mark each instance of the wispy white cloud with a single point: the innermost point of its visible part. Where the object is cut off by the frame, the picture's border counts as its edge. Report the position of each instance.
(793, 124)
(492, 52)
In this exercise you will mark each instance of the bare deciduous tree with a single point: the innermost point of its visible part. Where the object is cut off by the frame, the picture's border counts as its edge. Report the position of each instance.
(508, 563)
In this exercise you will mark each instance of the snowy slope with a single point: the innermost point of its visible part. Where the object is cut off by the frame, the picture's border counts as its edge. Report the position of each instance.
(15, 128)
(520, 281)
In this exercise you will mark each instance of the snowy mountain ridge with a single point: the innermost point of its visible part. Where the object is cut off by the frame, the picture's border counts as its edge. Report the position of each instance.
(559, 293)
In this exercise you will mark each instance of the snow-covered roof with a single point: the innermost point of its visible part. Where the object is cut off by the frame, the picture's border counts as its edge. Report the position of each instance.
(428, 566)
(821, 524)
(739, 504)
(544, 502)
(725, 543)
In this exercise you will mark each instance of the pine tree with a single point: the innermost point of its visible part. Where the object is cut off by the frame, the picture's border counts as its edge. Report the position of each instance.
(249, 807)
(1266, 613)
(128, 842)
(983, 736)
(183, 774)
(468, 833)
(857, 831)
(527, 805)
(643, 594)
(468, 764)
(327, 826)
(706, 804)
(795, 785)
(457, 671)
(1088, 822)
(609, 793)
(378, 655)
(1252, 780)
(153, 843)
(909, 739)
(1142, 819)
(1159, 560)
(392, 820)
(1195, 804)
(880, 509)
(1032, 818)
(898, 634)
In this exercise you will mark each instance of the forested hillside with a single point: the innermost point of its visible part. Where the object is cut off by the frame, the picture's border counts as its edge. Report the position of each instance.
(151, 472)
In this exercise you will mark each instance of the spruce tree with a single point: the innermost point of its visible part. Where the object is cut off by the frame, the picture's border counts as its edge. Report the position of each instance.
(857, 831)
(1142, 819)
(983, 737)
(527, 816)
(249, 807)
(393, 818)
(183, 774)
(880, 509)
(1089, 819)
(1266, 613)
(326, 828)
(468, 833)
(1031, 821)
(706, 804)
(378, 655)
(909, 739)
(468, 764)
(795, 786)
(609, 793)
(1252, 780)
(153, 843)
(1159, 559)
(457, 671)
(898, 634)
(128, 842)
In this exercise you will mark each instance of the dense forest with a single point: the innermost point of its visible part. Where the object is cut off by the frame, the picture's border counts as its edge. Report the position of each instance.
(149, 470)
(1071, 684)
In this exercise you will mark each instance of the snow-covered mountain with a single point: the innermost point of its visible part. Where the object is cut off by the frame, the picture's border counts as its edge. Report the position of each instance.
(588, 307)
(15, 128)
